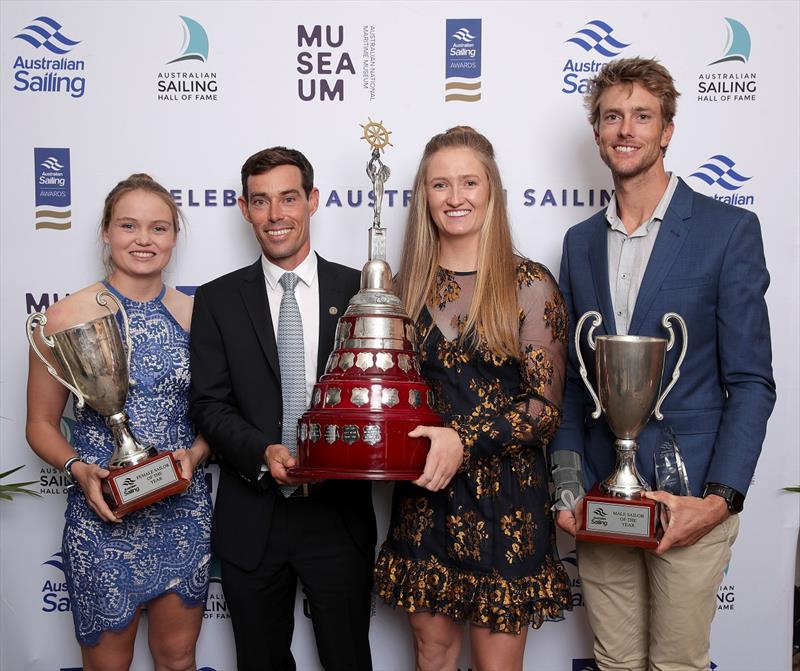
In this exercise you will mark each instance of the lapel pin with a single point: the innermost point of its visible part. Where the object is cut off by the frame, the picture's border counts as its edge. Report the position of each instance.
(333, 310)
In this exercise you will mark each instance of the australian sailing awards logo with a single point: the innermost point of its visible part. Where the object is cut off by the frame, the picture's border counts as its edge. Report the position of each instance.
(51, 71)
(53, 189)
(462, 69)
(597, 41)
(184, 83)
(726, 79)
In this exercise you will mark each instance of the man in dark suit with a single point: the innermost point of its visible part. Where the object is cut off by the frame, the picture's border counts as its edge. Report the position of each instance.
(261, 336)
(660, 247)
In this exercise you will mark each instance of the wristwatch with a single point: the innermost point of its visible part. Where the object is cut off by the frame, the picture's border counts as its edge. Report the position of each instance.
(68, 464)
(733, 498)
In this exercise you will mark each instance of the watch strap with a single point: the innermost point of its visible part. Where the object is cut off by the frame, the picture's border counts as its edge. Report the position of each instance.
(68, 464)
(733, 498)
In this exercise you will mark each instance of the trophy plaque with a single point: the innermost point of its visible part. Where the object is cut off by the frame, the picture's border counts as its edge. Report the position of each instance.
(628, 377)
(372, 393)
(96, 369)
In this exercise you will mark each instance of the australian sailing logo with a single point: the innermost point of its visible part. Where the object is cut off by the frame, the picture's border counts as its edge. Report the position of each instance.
(462, 60)
(52, 71)
(53, 188)
(597, 40)
(725, 79)
(718, 173)
(186, 81)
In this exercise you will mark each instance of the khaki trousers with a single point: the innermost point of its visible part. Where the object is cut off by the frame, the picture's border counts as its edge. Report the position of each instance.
(651, 613)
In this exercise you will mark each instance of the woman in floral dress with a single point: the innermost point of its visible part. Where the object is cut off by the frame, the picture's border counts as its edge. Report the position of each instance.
(472, 541)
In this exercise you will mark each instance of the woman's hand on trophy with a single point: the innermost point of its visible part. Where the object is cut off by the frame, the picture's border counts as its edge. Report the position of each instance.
(189, 459)
(90, 478)
(444, 457)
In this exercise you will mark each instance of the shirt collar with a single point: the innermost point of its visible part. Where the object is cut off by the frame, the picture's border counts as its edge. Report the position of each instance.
(306, 271)
(658, 214)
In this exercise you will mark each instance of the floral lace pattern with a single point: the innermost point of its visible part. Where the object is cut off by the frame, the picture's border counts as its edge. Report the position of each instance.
(483, 549)
(113, 569)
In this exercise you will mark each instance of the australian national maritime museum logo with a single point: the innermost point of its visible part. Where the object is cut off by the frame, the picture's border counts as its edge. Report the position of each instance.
(728, 78)
(44, 66)
(185, 82)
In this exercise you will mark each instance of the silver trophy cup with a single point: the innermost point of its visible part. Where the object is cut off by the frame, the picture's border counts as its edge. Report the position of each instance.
(628, 377)
(95, 367)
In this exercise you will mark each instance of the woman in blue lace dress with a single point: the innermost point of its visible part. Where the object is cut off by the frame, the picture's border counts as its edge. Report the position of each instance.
(159, 556)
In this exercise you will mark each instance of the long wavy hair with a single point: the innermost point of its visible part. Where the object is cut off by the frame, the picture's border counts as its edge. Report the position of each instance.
(493, 315)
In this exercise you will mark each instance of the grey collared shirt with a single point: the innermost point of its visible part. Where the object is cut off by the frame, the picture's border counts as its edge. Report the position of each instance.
(628, 256)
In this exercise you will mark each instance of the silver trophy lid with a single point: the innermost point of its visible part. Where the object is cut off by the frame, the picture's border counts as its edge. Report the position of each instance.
(376, 293)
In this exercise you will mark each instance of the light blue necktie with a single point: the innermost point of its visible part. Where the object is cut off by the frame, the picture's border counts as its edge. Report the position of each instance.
(291, 359)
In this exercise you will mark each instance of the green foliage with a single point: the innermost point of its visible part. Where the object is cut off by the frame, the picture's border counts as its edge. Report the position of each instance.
(8, 489)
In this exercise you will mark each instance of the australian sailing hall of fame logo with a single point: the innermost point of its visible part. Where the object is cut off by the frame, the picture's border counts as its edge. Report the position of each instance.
(727, 78)
(53, 188)
(185, 82)
(45, 66)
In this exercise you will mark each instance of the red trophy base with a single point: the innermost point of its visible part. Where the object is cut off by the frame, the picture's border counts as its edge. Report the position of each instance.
(611, 519)
(372, 446)
(134, 487)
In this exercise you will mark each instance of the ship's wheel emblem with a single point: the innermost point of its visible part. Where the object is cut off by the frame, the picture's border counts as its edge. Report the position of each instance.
(376, 135)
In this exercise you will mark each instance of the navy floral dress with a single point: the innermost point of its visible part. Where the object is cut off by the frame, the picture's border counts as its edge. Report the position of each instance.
(113, 569)
(483, 549)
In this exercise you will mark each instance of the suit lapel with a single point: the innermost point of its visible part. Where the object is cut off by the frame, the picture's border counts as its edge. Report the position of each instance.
(598, 260)
(330, 298)
(672, 235)
(254, 295)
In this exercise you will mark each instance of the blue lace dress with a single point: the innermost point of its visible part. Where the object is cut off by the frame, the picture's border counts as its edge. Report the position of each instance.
(113, 569)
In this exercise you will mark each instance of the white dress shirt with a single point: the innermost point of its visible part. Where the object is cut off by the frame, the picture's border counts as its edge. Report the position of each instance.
(307, 294)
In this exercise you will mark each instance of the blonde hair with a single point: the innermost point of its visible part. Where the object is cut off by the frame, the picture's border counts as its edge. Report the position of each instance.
(493, 313)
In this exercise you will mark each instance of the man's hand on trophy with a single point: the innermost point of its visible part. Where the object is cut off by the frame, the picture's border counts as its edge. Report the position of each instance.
(567, 520)
(444, 458)
(279, 461)
(690, 518)
(90, 478)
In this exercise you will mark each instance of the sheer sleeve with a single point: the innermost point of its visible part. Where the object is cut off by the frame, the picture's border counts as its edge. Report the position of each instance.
(531, 416)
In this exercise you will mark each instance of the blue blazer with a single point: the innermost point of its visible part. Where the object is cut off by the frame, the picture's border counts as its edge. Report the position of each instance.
(708, 266)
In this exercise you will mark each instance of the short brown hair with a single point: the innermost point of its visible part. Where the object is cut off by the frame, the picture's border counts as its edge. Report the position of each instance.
(267, 159)
(138, 181)
(645, 71)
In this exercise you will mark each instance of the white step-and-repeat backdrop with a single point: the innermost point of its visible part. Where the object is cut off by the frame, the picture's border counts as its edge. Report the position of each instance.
(185, 91)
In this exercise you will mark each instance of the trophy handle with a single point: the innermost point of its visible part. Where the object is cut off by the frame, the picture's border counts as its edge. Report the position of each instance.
(598, 319)
(101, 300)
(40, 319)
(665, 322)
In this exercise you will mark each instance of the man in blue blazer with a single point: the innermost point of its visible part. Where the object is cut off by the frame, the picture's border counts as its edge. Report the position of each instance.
(660, 247)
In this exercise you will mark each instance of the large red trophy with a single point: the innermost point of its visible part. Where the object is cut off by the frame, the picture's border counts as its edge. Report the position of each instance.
(372, 393)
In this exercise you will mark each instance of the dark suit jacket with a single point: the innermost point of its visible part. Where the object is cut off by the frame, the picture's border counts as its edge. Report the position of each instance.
(708, 266)
(236, 404)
